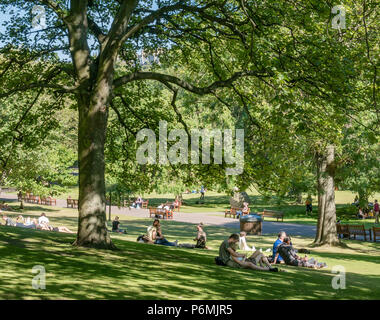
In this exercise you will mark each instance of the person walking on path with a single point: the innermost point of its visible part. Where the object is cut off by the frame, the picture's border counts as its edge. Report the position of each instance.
(376, 209)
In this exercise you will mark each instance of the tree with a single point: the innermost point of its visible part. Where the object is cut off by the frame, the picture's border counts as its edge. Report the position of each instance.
(251, 49)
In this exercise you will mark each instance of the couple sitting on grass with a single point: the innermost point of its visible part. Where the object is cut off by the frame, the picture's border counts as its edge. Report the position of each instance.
(228, 256)
(155, 236)
(282, 249)
(41, 224)
(283, 252)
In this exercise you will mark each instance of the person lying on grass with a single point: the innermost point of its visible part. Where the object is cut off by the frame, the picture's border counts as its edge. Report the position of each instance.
(9, 221)
(43, 223)
(154, 235)
(289, 254)
(22, 223)
(115, 226)
(5, 207)
(47, 227)
(229, 256)
(34, 224)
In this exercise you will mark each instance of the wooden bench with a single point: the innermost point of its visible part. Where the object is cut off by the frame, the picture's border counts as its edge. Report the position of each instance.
(73, 203)
(376, 233)
(152, 212)
(359, 230)
(32, 199)
(168, 214)
(145, 204)
(273, 214)
(165, 214)
(49, 201)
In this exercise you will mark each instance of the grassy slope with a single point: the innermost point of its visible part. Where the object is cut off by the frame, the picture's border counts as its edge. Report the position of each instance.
(141, 271)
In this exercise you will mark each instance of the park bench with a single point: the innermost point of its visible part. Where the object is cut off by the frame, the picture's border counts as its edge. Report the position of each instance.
(49, 201)
(145, 204)
(165, 214)
(232, 212)
(32, 199)
(152, 212)
(176, 206)
(342, 230)
(358, 230)
(73, 203)
(376, 233)
(273, 214)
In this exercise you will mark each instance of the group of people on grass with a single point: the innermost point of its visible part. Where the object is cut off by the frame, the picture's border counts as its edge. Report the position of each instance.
(155, 235)
(42, 223)
(367, 213)
(283, 252)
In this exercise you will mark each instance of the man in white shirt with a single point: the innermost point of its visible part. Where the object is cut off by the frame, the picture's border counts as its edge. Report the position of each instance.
(43, 219)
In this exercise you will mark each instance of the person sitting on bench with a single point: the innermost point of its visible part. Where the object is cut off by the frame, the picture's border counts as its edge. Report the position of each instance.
(229, 256)
(115, 226)
(245, 210)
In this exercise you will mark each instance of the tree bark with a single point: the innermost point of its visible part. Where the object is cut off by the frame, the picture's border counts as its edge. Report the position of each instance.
(326, 226)
(92, 228)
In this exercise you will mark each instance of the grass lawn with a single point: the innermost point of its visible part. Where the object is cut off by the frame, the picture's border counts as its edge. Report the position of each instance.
(143, 271)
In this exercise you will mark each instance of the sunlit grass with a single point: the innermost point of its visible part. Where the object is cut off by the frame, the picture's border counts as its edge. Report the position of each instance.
(142, 271)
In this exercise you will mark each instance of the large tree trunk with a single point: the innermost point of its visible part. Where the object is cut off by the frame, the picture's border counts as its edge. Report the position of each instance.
(92, 228)
(326, 227)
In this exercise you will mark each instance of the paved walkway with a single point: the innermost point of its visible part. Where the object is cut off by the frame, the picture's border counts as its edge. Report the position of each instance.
(208, 218)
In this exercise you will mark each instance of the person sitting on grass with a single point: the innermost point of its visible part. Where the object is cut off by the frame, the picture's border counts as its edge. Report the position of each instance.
(201, 237)
(229, 256)
(43, 219)
(291, 258)
(155, 235)
(243, 242)
(115, 226)
(361, 214)
(279, 241)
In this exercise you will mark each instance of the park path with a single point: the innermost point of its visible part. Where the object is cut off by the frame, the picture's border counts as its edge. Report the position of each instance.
(208, 218)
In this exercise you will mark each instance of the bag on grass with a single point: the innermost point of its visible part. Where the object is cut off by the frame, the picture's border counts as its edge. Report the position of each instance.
(219, 261)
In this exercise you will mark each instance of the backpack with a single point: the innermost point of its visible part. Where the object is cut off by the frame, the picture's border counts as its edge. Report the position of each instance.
(219, 261)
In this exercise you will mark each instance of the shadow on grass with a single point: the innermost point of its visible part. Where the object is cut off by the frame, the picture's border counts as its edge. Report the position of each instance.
(142, 271)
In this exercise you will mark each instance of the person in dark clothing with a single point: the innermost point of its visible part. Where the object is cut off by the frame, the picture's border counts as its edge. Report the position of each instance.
(289, 254)
(115, 226)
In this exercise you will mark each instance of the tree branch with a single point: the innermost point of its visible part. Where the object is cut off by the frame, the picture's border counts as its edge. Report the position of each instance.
(164, 78)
